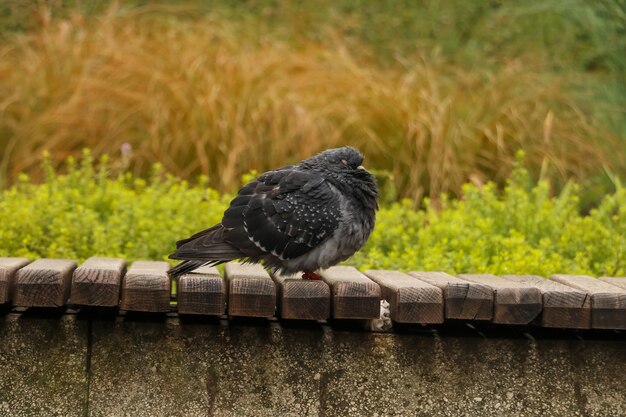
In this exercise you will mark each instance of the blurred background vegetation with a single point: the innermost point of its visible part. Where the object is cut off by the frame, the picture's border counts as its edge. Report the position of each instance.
(440, 96)
(435, 93)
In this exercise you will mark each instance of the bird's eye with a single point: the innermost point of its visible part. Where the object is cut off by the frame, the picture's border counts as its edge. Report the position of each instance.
(343, 161)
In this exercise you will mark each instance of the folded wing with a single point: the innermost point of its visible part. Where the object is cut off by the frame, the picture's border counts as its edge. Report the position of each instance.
(285, 213)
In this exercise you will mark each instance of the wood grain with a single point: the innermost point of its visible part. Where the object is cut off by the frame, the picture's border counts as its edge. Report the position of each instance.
(302, 299)
(354, 296)
(617, 281)
(251, 291)
(563, 306)
(8, 268)
(514, 302)
(608, 302)
(410, 300)
(97, 282)
(464, 300)
(202, 291)
(146, 287)
(44, 283)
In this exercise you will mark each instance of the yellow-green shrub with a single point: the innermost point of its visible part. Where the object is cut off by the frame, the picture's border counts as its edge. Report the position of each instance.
(92, 212)
(522, 229)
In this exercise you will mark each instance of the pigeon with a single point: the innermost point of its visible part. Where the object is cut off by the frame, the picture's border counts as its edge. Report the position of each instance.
(303, 217)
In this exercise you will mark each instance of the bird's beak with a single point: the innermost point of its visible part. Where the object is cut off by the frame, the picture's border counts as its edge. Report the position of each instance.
(361, 167)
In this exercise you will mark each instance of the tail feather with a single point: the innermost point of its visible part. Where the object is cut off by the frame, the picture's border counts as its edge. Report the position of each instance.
(186, 267)
(205, 248)
(208, 231)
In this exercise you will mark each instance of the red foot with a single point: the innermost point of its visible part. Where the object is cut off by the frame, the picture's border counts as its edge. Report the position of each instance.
(310, 275)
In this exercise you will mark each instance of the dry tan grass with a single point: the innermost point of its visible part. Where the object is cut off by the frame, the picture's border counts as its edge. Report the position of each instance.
(200, 98)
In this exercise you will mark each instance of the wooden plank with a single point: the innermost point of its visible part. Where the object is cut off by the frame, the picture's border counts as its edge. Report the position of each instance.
(354, 296)
(464, 300)
(563, 306)
(513, 302)
(146, 287)
(608, 302)
(97, 282)
(8, 268)
(44, 283)
(251, 291)
(617, 281)
(302, 299)
(410, 300)
(202, 291)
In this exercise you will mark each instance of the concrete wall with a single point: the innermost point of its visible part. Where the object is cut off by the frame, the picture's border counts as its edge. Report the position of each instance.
(68, 366)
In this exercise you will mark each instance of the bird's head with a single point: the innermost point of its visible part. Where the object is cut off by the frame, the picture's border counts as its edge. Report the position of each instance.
(342, 160)
(343, 167)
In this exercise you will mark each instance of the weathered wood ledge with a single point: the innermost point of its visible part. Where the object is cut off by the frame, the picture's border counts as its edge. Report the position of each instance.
(562, 301)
